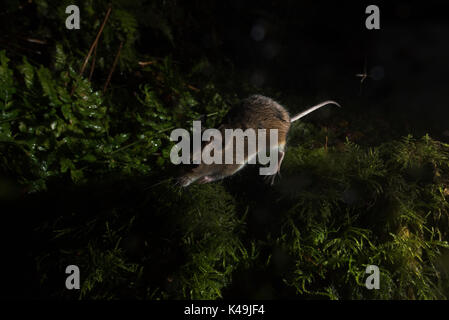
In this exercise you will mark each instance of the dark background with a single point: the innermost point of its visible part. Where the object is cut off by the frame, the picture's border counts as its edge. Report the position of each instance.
(315, 49)
(312, 50)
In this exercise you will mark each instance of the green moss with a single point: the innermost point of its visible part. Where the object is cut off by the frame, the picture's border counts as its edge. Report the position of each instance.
(94, 168)
(354, 207)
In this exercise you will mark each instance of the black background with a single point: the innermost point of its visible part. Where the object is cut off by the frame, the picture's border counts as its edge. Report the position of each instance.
(310, 49)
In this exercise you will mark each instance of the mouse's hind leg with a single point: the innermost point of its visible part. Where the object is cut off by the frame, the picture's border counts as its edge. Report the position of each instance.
(281, 155)
(271, 178)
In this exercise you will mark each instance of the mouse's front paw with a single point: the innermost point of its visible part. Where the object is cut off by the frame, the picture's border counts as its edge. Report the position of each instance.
(205, 179)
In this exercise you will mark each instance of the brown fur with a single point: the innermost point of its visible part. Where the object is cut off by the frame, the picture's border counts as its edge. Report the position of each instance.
(256, 112)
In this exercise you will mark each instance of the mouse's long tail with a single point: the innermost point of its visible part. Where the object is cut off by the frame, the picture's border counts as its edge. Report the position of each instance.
(304, 113)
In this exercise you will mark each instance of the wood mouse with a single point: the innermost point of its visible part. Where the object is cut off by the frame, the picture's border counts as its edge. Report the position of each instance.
(256, 112)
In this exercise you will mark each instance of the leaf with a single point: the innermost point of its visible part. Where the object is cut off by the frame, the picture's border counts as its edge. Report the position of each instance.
(60, 57)
(27, 70)
(66, 164)
(48, 85)
(67, 111)
(77, 175)
(7, 88)
(89, 158)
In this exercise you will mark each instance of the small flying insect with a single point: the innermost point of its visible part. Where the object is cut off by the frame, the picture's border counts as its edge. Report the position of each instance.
(363, 75)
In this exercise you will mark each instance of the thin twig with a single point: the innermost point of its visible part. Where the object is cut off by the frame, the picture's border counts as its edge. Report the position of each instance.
(38, 41)
(94, 44)
(145, 63)
(193, 88)
(113, 67)
(92, 67)
(327, 140)
(13, 119)
(127, 146)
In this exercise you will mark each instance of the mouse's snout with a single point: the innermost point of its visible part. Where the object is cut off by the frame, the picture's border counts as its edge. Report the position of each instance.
(184, 181)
